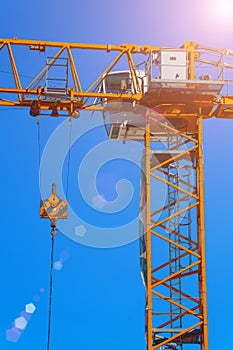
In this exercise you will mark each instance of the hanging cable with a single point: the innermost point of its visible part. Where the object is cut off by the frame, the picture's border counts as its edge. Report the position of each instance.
(39, 148)
(68, 162)
(53, 234)
(53, 209)
(38, 140)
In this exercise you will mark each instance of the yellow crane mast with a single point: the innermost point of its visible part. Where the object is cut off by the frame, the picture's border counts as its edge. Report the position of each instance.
(159, 97)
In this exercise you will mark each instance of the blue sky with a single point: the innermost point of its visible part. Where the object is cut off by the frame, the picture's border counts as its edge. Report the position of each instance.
(98, 293)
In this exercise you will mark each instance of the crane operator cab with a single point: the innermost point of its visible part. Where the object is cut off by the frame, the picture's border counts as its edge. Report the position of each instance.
(120, 118)
(126, 120)
(123, 82)
(169, 76)
(124, 125)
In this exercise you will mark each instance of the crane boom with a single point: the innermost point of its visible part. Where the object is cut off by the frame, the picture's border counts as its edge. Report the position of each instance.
(200, 88)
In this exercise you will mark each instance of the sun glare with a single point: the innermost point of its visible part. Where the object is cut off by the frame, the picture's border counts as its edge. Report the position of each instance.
(225, 7)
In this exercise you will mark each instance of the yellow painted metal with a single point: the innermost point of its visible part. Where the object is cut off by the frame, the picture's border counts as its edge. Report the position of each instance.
(177, 187)
(177, 157)
(80, 98)
(106, 70)
(190, 311)
(174, 275)
(179, 334)
(201, 228)
(190, 47)
(14, 69)
(193, 307)
(148, 238)
(190, 108)
(41, 45)
(53, 208)
(74, 71)
(42, 73)
(172, 216)
(174, 243)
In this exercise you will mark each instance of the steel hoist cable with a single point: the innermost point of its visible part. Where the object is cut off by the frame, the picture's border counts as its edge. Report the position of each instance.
(53, 209)
(53, 234)
(39, 147)
(69, 157)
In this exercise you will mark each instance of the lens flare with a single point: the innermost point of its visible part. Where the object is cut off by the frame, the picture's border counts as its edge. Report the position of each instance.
(58, 265)
(20, 323)
(13, 335)
(224, 8)
(30, 308)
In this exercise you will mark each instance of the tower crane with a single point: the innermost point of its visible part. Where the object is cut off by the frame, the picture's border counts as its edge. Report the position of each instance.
(159, 96)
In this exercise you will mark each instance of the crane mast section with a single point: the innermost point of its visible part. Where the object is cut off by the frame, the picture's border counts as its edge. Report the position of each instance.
(176, 301)
(184, 81)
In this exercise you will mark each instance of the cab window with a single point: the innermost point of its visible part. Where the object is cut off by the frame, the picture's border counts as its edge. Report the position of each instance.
(118, 83)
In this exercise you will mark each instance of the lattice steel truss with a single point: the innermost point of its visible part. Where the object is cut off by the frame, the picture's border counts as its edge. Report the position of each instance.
(176, 287)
